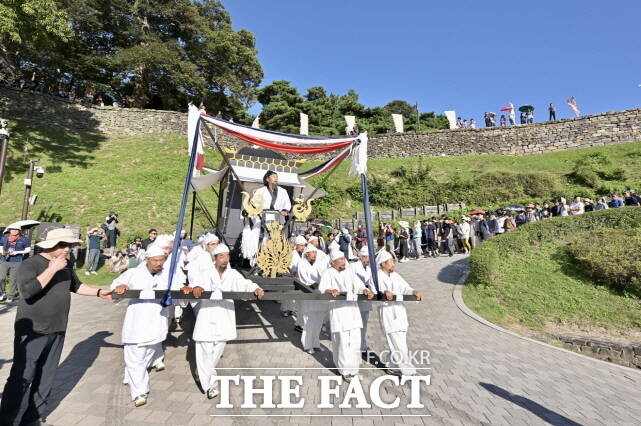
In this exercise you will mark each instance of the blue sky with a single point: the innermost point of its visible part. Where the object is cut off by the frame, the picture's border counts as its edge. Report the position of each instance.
(471, 56)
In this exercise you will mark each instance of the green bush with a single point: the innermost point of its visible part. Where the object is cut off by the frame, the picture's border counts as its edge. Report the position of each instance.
(491, 255)
(586, 176)
(611, 257)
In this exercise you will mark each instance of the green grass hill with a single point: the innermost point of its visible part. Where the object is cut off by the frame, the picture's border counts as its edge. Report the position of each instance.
(576, 274)
(141, 177)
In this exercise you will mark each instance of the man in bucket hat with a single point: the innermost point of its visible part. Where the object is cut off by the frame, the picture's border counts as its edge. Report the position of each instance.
(45, 281)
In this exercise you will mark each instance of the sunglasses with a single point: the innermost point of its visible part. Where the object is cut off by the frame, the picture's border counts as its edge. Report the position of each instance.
(65, 245)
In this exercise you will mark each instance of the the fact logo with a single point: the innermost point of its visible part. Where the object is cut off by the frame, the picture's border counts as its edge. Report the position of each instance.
(354, 396)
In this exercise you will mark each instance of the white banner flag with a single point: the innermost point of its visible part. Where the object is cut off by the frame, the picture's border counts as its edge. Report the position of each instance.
(572, 104)
(398, 122)
(256, 122)
(304, 124)
(451, 117)
(351, 123)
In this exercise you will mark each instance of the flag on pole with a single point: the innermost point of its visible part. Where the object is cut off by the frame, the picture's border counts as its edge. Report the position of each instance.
(304, 124)
(572, 104)
(350, 120)
(194, 136)
(451, 117)
(256, 122)
(398, 122)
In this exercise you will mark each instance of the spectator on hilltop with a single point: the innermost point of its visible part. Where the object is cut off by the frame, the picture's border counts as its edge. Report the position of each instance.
(601, 204)
(589, 205)
(472, 123)
(502, 121)
(94, 239)
(630, 199)
(530, 117)
(552, 111)
(616, 201)
(153, 233)
(523, 117)
(577, 207)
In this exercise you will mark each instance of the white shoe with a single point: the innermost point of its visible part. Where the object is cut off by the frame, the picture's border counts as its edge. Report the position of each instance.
(212, 393)
(94, 273)
(140, 400)
(160, 366)
(310, 351)
(87, 273)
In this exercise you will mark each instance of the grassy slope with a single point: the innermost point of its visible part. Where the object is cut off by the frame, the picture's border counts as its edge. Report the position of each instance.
(141, 177)
(546, 288)
(557, 164)
(528, 278)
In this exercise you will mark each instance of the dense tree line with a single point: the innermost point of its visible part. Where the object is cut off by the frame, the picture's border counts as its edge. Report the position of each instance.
(282, 104)
(163, 54)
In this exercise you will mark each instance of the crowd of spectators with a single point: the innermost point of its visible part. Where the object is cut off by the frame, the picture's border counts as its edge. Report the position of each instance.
(84, 93)
(446, 236)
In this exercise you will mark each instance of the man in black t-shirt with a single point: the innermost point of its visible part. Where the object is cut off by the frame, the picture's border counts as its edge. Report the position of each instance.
(149, 240)
(45, 282)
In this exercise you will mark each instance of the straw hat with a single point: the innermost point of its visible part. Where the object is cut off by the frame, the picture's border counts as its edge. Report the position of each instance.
(59, 235)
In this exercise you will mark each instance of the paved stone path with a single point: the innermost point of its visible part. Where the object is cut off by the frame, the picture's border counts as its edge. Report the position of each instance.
(478, 374)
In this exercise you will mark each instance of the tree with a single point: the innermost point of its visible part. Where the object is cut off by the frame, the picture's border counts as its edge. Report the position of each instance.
(281, 107)
(27, 26)
(153, 54)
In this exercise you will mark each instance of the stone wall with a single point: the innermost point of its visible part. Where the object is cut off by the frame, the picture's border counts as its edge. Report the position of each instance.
(593, 130)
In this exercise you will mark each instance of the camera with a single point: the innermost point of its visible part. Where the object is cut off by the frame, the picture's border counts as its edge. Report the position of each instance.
(40, 171)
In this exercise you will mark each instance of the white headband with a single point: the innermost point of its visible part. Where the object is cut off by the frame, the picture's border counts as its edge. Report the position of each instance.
(221, 248)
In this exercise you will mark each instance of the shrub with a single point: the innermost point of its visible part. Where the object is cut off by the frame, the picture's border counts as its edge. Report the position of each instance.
(611, 257)
(585, 176)
(489, 257)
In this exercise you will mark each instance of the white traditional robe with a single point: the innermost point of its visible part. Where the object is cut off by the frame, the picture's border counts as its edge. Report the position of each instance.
(282, 201)
(365, 306)
(291, 305)
(313, 311)
(216, 321)
(176, 310)
(199, 263)
(345, 319)
(144, 328)
(393, 317)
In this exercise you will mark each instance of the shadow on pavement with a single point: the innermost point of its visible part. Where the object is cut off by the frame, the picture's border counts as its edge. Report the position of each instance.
(452, 272)
(73, 368)
(537, 409)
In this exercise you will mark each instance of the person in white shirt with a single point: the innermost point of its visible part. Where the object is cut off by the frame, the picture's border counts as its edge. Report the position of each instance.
(393, 315)
(463, 228)
(362, 271)
(344, 315)
(166, 242)
(145, 325)
(273, 196)
(321, 257)
(577, 207)
(216, 321)
(313, 311)
(198, 263)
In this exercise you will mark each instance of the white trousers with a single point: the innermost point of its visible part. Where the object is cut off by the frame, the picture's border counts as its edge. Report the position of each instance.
(399, 353)
(312, 325)
(138, 360)
(207, 356)
(346, 351)
(364, 317)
